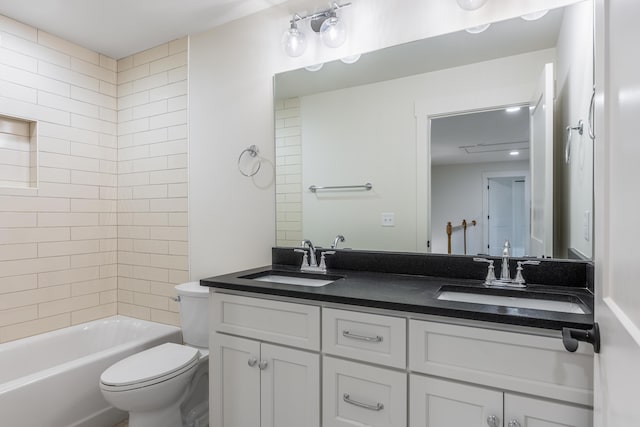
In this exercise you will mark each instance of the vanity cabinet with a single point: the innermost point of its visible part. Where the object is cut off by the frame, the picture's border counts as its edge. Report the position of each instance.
(443, 403)
(386, 370)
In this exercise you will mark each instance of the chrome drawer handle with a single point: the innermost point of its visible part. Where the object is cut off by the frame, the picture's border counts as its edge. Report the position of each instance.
(348, 334)
(252, 362)
(376, 407)
(492, 421)
(514, 423)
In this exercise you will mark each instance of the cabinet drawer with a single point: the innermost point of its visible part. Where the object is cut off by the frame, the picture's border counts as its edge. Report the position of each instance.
(355, 394)
(509, 360)
(296, 325)
(363, 336)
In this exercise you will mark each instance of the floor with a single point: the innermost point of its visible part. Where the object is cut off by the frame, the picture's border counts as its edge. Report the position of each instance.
(123, 423)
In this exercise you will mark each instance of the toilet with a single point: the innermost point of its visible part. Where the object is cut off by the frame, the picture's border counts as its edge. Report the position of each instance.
(167, 385)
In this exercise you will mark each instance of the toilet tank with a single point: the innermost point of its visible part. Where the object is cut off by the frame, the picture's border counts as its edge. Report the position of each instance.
(194, 313)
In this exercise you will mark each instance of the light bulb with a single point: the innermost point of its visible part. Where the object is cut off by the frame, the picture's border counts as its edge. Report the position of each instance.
(471, 4)
(315, 67)
(477, 29)
(294, 41)
(535, 15)
(333, 32)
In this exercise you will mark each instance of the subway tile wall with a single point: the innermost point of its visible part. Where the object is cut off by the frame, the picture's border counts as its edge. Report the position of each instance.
(152, 181)
(58, 241)
(288, 172)
(105, 231)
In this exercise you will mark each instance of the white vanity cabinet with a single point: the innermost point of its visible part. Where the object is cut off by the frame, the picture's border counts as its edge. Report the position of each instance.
(262, 384)
(281, 364)
(444, 403)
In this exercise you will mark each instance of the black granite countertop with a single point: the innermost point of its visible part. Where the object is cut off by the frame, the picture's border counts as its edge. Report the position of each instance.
(417, 294)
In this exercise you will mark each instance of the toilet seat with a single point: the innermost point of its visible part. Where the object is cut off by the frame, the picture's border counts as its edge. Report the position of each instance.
(149, 367)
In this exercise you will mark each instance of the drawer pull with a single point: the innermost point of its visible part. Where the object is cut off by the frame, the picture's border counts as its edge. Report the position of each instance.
(348, 334)
(376, 407)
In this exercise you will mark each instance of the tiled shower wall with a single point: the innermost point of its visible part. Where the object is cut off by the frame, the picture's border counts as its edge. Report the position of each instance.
(152, 181)
(58, 241)
(288, 172)
(98, 236)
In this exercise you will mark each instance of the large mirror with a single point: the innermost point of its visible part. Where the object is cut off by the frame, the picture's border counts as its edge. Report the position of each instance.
(413, 147)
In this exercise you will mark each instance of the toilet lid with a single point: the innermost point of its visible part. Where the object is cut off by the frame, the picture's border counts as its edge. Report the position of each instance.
(151, 364)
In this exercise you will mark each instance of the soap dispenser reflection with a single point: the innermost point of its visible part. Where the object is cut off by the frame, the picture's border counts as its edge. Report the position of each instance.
(505, 275)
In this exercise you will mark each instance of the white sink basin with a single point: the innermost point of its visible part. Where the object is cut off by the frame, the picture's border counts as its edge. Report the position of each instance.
(293, 280)
(508, 301)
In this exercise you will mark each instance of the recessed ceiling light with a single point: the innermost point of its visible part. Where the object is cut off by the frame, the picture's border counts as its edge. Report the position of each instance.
(514, 153)
(512, 109)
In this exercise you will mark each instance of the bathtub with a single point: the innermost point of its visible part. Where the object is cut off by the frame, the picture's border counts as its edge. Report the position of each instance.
(51, 380)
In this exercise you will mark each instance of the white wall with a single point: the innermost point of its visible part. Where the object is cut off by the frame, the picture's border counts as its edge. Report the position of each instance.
(232, 218)
(457, 194)
(574, 81)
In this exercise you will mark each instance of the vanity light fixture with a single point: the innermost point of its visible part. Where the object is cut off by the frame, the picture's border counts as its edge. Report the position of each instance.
(471, 4)
(514, 153)
(331, 29)
(535, 15)
(477, 29)
(512, 109)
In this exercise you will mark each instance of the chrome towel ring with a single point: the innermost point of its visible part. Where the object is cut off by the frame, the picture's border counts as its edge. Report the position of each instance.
(252, 152)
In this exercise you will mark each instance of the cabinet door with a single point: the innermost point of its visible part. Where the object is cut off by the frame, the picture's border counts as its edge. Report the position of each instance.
(522, 411)
(235, 381)
(358, 395)
(439, 403)
(290, 387)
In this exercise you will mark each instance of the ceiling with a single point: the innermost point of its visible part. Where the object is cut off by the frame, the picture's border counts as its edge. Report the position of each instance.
(119, 28)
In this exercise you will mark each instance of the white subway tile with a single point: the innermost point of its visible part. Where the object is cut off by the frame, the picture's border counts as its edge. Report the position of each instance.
(18, 60)
(132, 74)
(18, 92)
(31, 235)
(67, 219)
(68, 248)
(20, 251)
(94, 151)
(178, 103)
(151, 218)
(168, 63)
(93, 313)
(177, 161)
(135, 152)
(93, 124)
(177, 132)
(178, 276)
(34, 327)
(63, 161)
(32, 204)
(136, 311)
(174, 262)
(151, 246)
(169, 176)
(124, 63)
(68, 304)
(33, 80)
(150, 273)
(153, 301)
(108, 63)
(178, 190)
(30, 266)
(93, 70)
(34, 111)
(166, 317)
(124, 89)
(133, 258)
(108, 166)
(68, 133)
(71, 49)
(151, 82)
(149, 110)
(110, 141)
(95, 232)
(68, 76)
(168, 91)
(133, 126)
(178, 74)
(92, 97)
(178, 248)
(17, 219)
(97, 259)
(169, 119)
(150, 137)
(18, 315)
(18, 283)
(108, 115)
(151, 54)
(67, 104)
(18, 28)
(178, 45)
(133, 100)
(169, 205)
(134, 285)
(79, 205)
(53, 145)
(30, 48)
(169, 233)
(150, 164)
(157, 191)
(168, 148)
(133, 179)
(109, 297)
(108, 193)
(131, 232)
(51, 189)
(133, 205)
(108, 89)
(110, 270)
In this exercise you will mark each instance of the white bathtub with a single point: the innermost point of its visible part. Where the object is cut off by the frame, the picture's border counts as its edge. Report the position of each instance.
(51, 380)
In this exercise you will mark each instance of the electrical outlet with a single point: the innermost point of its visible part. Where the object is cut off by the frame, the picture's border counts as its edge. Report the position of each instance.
(387, 219)
(586, 224)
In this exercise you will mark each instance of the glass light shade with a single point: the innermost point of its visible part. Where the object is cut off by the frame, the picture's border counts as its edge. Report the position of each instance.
(294, 41)
(477, 29)
(333, 32)
(315, 67)
(350, 59)
(471, 4)
(535, 15)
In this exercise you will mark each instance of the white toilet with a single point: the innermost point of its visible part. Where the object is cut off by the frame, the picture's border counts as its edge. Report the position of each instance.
(167, 385)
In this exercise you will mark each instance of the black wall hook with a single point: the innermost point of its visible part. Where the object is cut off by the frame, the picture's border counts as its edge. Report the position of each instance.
(570, 338)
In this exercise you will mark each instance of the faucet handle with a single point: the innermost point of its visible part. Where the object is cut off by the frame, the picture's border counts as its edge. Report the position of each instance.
(519, 278)
(305, 257)
(491, 274)
(323, 265)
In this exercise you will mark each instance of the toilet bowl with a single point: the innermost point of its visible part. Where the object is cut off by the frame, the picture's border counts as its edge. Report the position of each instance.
(167, 385)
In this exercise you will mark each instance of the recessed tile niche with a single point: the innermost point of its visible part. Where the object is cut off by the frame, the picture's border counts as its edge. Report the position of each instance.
(18, 153)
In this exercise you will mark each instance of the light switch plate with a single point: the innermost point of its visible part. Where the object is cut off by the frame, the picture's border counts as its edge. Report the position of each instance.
(586, 224)
(387, 219)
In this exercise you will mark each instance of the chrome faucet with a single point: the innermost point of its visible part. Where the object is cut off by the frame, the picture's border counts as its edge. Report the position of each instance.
(339, 238)
(312, 252)
(505, 274)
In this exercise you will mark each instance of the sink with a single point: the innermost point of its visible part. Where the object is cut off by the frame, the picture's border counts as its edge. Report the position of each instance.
(293, 278)
(519, 299)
